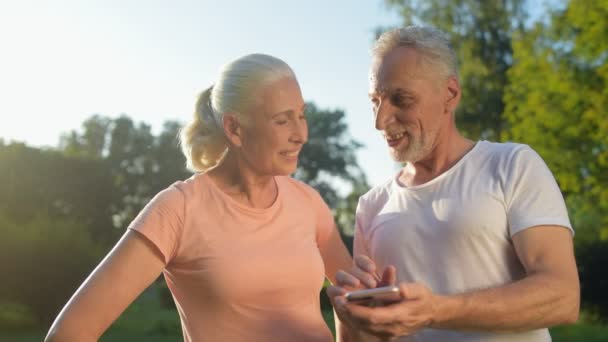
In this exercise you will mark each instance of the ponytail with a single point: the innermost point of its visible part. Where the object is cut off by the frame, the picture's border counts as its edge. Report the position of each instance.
(202, 140)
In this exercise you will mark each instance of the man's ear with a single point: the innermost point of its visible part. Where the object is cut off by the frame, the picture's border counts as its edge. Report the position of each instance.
(452, 95)
(232, 129)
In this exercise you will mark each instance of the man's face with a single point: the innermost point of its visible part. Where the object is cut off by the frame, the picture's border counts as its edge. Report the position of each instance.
(409, 103)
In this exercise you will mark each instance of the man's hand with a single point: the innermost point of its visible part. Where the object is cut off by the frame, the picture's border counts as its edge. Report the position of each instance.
(362, 275)
(415, 311)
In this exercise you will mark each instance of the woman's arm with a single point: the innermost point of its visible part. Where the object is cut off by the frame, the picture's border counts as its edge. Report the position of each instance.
(130, 267)
(336, 257)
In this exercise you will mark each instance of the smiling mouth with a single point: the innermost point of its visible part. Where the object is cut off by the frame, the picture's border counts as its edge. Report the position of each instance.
(394, 139)
(290, 154)
(394, 136)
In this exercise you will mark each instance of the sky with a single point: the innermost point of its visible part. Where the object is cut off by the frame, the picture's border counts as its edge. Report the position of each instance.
(63, 61)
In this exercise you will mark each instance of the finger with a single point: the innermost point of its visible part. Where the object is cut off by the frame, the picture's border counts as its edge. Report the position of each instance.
(412, 290)
(335, 291)
(367, 279)
(370, 316)
(378, 316)
(339, 303)
(357, 311)
(366, 264)
(345, 279)
(389, 276)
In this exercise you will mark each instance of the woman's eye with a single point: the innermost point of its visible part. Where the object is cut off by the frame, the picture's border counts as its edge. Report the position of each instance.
(280, 122)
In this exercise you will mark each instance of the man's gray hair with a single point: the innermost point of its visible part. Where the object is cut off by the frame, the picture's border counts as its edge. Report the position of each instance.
(434, 47)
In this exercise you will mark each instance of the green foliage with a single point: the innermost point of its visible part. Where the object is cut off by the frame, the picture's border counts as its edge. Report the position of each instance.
(556, 102)
(140, 163)
(44, 259)
(480, 32)
(329, 155)
(15, 316)
(579, 332)
(44, 182)
(54, 216)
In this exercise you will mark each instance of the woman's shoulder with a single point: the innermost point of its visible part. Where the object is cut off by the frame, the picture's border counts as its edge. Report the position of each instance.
(295, 187)
(192, 183)
(193, 187)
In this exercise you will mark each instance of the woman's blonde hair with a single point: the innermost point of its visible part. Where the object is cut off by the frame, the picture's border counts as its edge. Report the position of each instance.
(236, 91)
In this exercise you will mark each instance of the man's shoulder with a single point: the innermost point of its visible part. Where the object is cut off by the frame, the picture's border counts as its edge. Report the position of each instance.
(501, 148)
(378, 192)
(501, 152)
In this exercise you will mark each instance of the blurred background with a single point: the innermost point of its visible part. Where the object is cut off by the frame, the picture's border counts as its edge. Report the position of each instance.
(93, 93)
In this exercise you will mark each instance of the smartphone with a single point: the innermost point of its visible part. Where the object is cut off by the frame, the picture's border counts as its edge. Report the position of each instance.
(377, 296)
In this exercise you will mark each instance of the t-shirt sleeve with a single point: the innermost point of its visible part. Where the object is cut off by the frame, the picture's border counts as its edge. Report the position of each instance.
(532, 196)
(360, 243)
(161, 221)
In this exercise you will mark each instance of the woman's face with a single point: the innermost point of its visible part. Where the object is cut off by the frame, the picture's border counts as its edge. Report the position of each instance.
(276, 129)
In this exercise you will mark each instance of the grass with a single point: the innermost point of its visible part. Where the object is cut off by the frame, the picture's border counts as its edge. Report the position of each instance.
(580, 332)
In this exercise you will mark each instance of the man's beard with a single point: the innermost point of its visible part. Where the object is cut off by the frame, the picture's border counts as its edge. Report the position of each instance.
(413, 152)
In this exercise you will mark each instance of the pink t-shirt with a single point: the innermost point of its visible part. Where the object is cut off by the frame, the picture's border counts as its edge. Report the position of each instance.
(238, 273)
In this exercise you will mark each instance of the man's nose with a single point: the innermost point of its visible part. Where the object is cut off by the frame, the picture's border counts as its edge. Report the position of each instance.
(383, 114)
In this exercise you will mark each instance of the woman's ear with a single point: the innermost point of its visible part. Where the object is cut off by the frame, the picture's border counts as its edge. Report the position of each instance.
(232, 129)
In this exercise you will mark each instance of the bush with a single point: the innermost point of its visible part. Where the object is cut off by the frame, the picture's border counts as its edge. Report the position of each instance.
(43, 261)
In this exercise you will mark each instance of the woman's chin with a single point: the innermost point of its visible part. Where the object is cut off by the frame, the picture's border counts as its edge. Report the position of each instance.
(287, 169)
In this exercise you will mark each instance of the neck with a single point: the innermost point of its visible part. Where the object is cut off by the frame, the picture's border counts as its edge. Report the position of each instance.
(238, 179)
(446, 152)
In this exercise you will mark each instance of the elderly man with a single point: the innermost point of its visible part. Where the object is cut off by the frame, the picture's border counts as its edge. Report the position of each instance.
(475, 234)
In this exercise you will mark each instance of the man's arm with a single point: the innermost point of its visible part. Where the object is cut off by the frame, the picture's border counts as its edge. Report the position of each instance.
(548, 295)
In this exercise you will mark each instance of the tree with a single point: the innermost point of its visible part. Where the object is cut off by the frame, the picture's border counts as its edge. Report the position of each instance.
(328, 160)
(54, 219)
(140, 163)
(480, 32)
(556, 102)
(43, 260)
(36, 181)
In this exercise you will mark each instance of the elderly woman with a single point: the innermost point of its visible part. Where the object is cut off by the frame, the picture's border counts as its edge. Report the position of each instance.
(243, 247)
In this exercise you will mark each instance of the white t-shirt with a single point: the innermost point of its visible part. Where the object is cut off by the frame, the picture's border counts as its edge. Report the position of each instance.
(454, 232)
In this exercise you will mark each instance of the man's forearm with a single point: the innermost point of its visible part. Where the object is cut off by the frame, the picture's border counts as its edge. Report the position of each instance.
(538, 301)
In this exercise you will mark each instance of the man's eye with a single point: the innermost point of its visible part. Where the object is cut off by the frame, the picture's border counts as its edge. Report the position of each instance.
(280, 122)
(397, 100)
